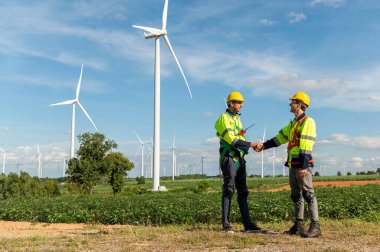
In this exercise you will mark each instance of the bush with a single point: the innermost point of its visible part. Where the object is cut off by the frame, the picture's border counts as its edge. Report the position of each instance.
(202, 186)
(140, 180)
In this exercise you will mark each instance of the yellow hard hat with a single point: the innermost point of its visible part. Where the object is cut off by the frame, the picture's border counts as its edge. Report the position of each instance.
(302, 97)
(235, 96)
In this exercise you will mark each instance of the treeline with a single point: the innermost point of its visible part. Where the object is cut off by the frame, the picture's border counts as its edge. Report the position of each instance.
(14, 186)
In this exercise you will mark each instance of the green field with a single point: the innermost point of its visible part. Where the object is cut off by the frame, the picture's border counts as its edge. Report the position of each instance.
(191, 201)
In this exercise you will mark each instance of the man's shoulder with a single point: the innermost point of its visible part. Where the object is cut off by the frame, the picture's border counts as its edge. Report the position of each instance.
(310, 119)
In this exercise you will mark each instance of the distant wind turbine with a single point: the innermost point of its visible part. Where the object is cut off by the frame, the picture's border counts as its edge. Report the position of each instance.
(4, 152)
(142, 154)
(157, 33)
(262, 155)
(73, 102)
(39, 164)
(173, 159)
(272, 157)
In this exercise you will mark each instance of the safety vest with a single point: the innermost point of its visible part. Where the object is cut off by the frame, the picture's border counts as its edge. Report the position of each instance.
(300, 135)
(227, 129)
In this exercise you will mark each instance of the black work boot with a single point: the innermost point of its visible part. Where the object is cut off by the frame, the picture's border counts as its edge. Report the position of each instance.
(253, 228)
(313, 232)
(228, 229)
(297, 229)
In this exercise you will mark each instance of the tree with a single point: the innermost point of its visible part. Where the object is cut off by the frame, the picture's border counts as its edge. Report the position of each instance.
(317, 174)
(117, 165)
(349, 173)
(378, 171)
(339, 173)
(88, 167)
(140, 180)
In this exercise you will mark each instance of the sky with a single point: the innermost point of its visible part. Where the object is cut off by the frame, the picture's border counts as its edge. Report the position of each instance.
(267, 50)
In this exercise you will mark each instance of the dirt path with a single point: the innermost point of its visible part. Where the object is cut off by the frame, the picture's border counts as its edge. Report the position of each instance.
(24, 236)
(331, 184)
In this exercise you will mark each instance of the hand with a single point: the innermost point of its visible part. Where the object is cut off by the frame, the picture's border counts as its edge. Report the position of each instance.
(302, 173)
(259, 147)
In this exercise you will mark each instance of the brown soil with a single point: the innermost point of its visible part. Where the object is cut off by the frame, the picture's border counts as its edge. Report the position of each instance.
(332, 184)
(11, 229)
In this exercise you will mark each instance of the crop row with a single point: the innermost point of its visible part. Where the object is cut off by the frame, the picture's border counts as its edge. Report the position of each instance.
(187, 208)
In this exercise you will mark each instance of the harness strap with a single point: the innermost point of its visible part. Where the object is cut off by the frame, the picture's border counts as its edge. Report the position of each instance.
(231, 151)
(295, 142)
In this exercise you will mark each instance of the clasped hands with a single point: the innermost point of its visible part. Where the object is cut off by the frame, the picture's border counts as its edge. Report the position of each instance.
(258, 147)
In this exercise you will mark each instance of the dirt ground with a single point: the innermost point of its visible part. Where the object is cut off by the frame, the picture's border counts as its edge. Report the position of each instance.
(337, 236)
(332, 183)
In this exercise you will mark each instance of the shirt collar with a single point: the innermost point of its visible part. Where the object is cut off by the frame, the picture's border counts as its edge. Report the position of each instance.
(232, 113)
(301, 116)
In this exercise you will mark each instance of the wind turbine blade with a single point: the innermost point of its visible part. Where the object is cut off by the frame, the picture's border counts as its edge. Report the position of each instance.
(165, 15)
(265, 129)
(139, 138)
(176, 60)
(88, 116)
(79, 82)
(134, 157)
(174, 142)
(154, 31)
(63, 103)
(38, 149)
(149, 147)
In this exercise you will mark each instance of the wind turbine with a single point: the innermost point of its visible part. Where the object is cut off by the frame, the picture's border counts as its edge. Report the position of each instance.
(73, 102)
(4, 152)
(157, 33)
(39, 164)
(272, 157)
(142, 154)
(262, 155)
(151, 157)
(173, 157)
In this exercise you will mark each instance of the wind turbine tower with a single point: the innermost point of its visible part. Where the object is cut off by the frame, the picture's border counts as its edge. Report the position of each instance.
(156, 34)
(202, 160)
(273, 157)
(142, 154)
(173, 161)
(4, 152)
(73, 102)
(39, 164)
(262, 155)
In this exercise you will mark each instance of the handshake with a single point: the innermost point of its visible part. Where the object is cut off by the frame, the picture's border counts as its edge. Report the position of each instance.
(258, 147)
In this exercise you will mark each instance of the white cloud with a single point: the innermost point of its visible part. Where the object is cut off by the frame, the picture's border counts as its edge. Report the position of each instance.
(213, 140)
(332, 3)
(5, 129)
(266, 22)
(208, 114)
(360, 142)
(296, 17)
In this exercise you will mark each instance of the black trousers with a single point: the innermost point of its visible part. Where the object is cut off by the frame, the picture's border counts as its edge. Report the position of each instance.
(234, 178)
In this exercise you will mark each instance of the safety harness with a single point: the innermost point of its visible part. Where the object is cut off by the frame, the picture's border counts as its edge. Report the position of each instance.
(296, 139)
(227, 148)
(296, 135)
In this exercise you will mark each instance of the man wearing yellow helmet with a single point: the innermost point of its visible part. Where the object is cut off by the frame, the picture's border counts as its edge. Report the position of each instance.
(233, 148)
(300, 135)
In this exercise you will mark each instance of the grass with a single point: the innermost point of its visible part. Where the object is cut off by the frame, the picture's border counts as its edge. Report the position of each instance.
(350, 235)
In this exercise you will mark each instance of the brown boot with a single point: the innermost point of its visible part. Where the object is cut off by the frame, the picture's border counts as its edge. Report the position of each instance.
(297, 228)
(313, 232)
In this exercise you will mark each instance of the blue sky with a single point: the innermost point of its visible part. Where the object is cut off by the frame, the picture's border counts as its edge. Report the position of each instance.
(267, 50)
